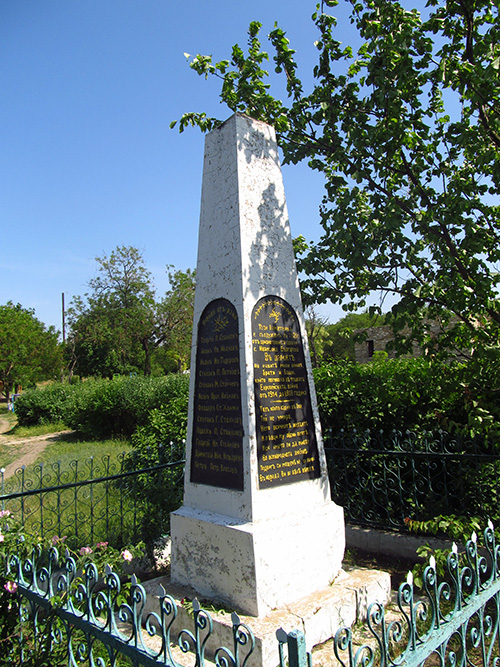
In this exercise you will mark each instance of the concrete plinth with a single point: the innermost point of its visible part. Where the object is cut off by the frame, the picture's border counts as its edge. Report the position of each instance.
(319, 615)
(257, 566)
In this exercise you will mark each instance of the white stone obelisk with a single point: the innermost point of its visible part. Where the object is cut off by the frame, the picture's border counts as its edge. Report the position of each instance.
(257, 529)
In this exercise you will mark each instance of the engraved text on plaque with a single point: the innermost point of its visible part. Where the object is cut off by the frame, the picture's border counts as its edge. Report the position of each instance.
(286, 439)
(217, 447)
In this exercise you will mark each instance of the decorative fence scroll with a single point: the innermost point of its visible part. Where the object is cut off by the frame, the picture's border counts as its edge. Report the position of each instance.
(378, 480)
(381, 479)
(454, 621)
(74, 617)
(98, 498)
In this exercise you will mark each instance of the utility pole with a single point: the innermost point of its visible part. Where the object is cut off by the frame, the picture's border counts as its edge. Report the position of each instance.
(63, 320)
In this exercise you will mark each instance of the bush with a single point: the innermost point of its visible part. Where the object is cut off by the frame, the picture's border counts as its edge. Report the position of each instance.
(101, 409)
(117, 407)
(30, 635)
(43, 406)
(160, 441)
(409, 394)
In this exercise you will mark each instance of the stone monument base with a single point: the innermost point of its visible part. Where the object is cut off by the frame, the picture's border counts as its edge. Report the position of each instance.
(319, 615)
(256, 567)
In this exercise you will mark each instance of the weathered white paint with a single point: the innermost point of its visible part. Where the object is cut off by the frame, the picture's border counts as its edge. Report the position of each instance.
(255, 549)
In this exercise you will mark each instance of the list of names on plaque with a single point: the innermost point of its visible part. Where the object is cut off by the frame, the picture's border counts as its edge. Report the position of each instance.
(217, 441)
(287, 448)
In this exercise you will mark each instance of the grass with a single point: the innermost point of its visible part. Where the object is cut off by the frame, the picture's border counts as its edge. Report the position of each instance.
(65, 460)
(67, 448)
(70, 447)
(9, 449)
(32, 431)
(7, 453)
(7, 416)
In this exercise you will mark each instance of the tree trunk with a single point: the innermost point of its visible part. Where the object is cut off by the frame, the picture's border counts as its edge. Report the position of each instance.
(147, 359)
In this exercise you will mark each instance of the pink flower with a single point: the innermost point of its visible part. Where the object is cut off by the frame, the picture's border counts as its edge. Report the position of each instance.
(56, 539)
(126, 555)
(101, 545)
(85, 550)
(2, 537)
(4, 513)
(10, 586)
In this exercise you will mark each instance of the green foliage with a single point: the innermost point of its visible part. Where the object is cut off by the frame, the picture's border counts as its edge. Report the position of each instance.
(105, 408)
(160, 441)
(165, 425)
(177, 309)
(337, 341)
(99, 409)
(408, 394)
(407, 135)
(122, 327)
(458, 528)
(388, 394)
(43, 406)
(12, 540)
(244, 88)
(342, 336)
(29, 352)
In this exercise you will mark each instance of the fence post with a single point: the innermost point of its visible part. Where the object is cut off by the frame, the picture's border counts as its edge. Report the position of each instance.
(297, 653)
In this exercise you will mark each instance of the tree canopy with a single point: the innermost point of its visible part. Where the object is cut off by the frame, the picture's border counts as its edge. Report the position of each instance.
(121, 326)
(29, 352)
(330, 342)
(406, 131)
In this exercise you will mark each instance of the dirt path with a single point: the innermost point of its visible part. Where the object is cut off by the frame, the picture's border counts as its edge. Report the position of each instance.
(28, 449)
(4, 424)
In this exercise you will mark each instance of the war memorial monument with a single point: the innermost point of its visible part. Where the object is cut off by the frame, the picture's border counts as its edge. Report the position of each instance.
(258, 531)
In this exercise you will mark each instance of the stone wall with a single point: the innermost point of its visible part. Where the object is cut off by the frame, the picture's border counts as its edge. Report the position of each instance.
(377, 339)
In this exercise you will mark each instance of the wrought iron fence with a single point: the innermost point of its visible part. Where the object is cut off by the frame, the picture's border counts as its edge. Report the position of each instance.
(92, 499)
(454, 620)
(66, 617)
(380, 481)
(69, 617)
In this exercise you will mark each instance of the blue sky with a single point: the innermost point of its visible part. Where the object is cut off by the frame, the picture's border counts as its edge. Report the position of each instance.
(87, 159)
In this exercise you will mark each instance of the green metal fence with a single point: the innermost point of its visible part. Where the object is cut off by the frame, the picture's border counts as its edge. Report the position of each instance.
(90, 499)
(383, 480)
(66, 617)
(379, 481)
(454, 620)
(69, 618)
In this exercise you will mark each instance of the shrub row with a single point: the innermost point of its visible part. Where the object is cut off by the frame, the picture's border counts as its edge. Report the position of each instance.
(404, 394)
(414, 395)
(410, 394)
(44, 406)
(102, 408)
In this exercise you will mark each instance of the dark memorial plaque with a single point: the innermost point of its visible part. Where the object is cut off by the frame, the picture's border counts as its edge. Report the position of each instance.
(217, 440)
(287, 448)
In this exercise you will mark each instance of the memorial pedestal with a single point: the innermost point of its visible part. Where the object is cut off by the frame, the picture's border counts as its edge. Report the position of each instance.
(257, 566)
